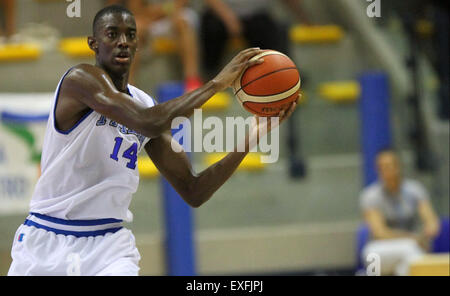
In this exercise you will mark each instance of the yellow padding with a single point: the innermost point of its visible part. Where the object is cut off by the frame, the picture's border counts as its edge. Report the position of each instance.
(76, 47)
(315, 34)
(19, 52)
(431, 265)
(340, 92)
(252, 162)
(219, 101)
(146, 168)
(164, 45)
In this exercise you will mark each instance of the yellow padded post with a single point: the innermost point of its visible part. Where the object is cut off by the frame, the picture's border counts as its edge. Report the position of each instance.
(76, 47)
(251, 162)
(19, 52)
(340, 91)
(315, 34)
(164, 45)
(219, 101)
(146, 167)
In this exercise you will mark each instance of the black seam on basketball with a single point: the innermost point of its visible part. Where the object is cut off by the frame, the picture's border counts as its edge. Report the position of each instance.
(273, 94)
(267, 74)
(272, 53)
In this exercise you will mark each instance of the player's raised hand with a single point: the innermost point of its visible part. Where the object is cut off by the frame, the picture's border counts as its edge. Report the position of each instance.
(236, 66)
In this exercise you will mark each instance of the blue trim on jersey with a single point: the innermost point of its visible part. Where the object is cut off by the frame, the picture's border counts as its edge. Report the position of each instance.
(74, 233)
(77, 222)
(54, 110)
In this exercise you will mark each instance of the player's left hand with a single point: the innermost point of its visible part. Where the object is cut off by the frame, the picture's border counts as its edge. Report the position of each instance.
(236, 66)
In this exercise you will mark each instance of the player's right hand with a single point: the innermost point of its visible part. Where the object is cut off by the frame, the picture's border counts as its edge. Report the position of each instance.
(236, 66)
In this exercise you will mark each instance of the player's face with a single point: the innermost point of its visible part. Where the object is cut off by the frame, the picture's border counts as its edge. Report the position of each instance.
(389, 171)
(117, 42)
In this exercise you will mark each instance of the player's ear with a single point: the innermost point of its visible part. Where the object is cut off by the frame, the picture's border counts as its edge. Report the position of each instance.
(92, 42)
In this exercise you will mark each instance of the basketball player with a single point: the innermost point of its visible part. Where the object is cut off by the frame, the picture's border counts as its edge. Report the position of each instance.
(98, 125)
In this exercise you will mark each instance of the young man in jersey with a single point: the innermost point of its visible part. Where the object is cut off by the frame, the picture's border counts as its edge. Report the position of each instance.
(97, 127)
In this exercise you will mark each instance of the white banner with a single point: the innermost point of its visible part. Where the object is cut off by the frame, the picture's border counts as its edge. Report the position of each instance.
(23, 119)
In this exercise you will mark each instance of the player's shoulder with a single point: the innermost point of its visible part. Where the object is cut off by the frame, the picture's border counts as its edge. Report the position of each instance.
(372, 188)
(84, 78)
(372, 191)
(412, 183)
(415, 187)
(84, 67)
(371, 196)
(85, 74)
(83, 71)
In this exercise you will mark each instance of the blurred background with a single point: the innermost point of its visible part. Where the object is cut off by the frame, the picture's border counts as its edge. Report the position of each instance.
(297, 216)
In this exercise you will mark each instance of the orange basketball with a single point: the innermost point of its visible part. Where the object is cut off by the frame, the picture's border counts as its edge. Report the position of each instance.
(269, 87)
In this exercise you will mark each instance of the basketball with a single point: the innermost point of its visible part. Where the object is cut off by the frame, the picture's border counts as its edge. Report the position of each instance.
(269, 87)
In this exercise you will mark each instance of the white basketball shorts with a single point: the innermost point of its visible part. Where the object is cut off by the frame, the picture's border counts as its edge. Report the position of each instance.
(48, 246)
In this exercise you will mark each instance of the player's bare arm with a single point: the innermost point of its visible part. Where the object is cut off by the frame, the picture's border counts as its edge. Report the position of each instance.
(90, 87)
(195, 188)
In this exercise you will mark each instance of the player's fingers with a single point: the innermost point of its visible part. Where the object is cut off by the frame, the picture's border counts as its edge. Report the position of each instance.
(291, 109)
(298, 98)
(251, 52)
(247, 53)
(247, 63)
(255, 62)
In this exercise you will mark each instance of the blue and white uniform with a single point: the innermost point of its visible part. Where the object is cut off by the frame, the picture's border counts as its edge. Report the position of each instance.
(88, 176)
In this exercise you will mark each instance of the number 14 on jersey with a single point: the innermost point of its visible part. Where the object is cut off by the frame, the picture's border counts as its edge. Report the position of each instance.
(130, 153)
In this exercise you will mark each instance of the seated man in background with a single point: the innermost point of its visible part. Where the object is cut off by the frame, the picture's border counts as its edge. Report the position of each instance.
(167, 17)
(400, 217)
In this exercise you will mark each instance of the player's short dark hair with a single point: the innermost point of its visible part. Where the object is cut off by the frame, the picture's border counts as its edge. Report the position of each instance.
(112, 9)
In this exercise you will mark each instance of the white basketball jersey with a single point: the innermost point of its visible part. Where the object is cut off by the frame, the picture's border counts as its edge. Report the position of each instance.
(90, 171)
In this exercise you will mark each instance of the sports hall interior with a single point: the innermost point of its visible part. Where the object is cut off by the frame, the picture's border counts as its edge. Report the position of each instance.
(277, 218)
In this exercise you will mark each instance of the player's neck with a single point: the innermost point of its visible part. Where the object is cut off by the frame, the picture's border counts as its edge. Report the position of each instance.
(120, 80)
